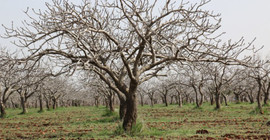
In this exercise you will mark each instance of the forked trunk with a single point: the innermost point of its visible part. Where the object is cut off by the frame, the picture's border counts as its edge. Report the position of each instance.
(48, 104)
(55, 103)
(251, 98)
(225, 99)
(202, 97)
(196, 96)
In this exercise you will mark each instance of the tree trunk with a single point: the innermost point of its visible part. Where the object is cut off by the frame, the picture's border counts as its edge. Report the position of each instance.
(218, 106)
(36, 103)
(141, 100)
(171, 102)
(48, 104)
(152, 101)
(131, 113)
(225, 99)
(122, 109)
(251, 98)
(237, 98)
(180, 102)
(2, 110)
(211, 99)
(97, 102)
(13, 104)
(259, 96)
(40, 103)
(202, 97)
(196, 96)
(54, 103)
(266, 98)
(23, 104)
(111, 103)
(165, 101)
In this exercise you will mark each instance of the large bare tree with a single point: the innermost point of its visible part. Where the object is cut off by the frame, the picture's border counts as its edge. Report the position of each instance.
(125, 42)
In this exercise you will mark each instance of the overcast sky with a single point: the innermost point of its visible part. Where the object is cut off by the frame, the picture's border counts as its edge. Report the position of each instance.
(240, 18)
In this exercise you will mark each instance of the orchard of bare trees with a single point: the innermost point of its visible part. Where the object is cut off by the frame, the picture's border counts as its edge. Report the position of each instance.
(123, 54)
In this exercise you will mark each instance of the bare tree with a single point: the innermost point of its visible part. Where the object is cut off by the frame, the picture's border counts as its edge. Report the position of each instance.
(221, 75)
(259, 73)
(53, 88)
(29, 85)
(125, 42)
(10, 77)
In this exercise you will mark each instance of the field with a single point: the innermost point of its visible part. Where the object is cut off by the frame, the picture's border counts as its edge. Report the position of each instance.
(237, 121)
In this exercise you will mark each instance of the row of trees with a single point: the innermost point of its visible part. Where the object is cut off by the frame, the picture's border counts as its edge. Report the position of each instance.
(125, 44)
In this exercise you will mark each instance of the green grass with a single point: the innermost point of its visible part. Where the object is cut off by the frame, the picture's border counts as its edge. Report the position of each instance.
(172, 122)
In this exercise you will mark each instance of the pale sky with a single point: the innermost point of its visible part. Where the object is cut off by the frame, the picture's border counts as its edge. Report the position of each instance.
(240, 18)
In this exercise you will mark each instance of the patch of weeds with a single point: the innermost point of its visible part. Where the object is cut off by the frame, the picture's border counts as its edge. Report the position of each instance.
(153, 132)
(108, 119)
(135, 130)
(218, 109)
(41, 111)
(257, 111)
(197, 108)
(109, 113)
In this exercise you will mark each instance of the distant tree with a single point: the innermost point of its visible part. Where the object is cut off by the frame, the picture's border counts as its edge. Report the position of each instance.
(220, 75)
(29, 85)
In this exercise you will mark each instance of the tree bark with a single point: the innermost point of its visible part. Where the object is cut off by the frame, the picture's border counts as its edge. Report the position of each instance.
(141, 100)
(266, 98)
(2, 110)
(152, 102)
(218, 106)
(225, 99)
(180, 102)
(131, 112)
(202, 96)
(48, 104)
(122, 109)
(40, 103)
(237, 98)
(259, 96)
(23, 104)
(211, 99)
(54, 103)
(165, 100)
(251, 98)
(111, 103)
